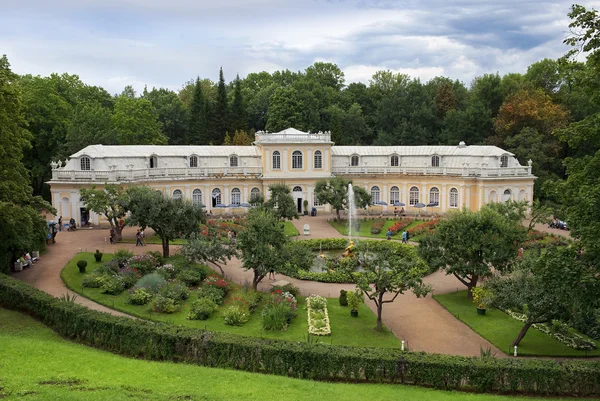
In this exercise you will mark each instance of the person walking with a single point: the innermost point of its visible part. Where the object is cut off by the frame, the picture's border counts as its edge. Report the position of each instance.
(143, 237)
(389, 234)
(112, 235)
(404, 237)
(138, 238)
(407, 236)
(60, 223)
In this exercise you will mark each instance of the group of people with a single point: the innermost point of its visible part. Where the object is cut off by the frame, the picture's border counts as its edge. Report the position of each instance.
(72, 226)
(139, 238)
(401, 212)
(405, 236)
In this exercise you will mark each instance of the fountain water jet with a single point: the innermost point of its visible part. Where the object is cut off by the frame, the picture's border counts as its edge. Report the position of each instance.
(351, 211)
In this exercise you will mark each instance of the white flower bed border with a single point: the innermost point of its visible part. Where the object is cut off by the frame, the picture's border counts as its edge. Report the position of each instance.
(323, 331)
(572, 340)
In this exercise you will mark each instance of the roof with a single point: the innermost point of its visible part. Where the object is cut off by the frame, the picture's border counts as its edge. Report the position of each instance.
(473, 150)
(99, 151)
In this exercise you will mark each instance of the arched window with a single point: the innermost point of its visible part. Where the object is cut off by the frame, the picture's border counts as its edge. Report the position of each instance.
(216, 197)
(453, 197)
(297, 189)
(297, 159)
(522, 195)
(507, 195)
(85, 163)
(413, 196)
(354, 161)
(318, 159)
(197, 197)
(493, 196)
(236, 196)
(394, 195)
(254, 194)
(375, 195)
(435, 161)
(434, 195)
(504, 161)
(177, 194)
(276, 160)
(193, 161)
(153, 162)
(394, 161)
(233, 161)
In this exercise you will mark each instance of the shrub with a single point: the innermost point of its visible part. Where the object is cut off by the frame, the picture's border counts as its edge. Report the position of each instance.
(277, 297)
(112, 285)
(251, 297)
(81, 264)
(144, 263)
(377, 226)
(98, 256)
(122, 256)
(343, 298)
(151, 282)
(93, 281)
(217, 282)
(158, 258)
(110, 267)
(130, 276)
(192, 277)
(275, 316)
(175, 290)
(179, 262)
(163, 305)
(295, 291)
(167, 271)
(137, 338)
(201, 309)
(355, 299)
(236, 315)
(213, 293)
(139, 296)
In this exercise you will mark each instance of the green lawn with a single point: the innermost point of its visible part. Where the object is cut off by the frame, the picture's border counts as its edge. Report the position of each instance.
(289, 229)
(365, 228)
(39, 365)
(501, 330)
(345, 329)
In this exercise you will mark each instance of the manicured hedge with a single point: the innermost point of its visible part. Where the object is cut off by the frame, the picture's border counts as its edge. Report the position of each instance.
(156, 341)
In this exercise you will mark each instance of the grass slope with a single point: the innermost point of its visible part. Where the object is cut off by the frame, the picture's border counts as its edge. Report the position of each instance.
(365, 228)
(346, 330)
(37, 364)
(501, 330)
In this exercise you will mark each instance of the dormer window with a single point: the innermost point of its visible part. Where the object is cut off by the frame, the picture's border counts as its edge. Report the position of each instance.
(504, 161)
(153, 162)
(354, 161)
(435, 161)
(193, 161)
(394, 161)
(86, 164)
(233, 161)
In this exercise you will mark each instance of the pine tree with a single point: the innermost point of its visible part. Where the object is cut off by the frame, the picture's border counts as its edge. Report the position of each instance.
(227, 141)
(221, 112)
(239, 121)
(198, 132)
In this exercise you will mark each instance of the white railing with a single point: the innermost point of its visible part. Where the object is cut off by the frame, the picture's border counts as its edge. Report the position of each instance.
(293, 138)
(154, 174)
(522, 171)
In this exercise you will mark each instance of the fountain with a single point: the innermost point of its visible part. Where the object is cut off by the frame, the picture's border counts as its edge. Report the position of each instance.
(351, 211)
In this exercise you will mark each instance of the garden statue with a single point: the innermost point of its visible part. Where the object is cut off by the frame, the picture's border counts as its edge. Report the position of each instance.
(349, 250)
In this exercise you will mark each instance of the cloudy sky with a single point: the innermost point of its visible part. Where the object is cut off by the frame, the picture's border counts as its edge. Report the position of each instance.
(163, 43)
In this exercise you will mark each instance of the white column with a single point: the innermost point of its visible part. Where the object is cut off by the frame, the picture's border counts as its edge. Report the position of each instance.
(207, 198)
(404, 194)
(75, 213)
(462, 196)
(226, 195)
(468, 197)
(188, 194)
(246, 199)
(310, 197)
(423, 197)
(443, 198)
(480, 200)
(385, 196)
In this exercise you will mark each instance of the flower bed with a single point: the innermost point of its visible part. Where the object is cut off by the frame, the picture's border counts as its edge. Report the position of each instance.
(400, 225)
(318, 318)
(377, 226)
(423, 228)
(572, 340)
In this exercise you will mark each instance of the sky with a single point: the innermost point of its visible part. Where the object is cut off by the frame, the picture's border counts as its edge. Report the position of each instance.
(165, 43)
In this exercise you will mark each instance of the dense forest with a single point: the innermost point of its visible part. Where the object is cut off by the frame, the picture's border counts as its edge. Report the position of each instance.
(533, 114)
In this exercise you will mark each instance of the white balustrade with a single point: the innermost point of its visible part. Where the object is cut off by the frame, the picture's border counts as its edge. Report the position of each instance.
(466, 171)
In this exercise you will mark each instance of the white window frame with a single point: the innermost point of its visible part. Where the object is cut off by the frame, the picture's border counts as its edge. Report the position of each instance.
(395, 161)
(435, 161)
(375, 194)
(453, 201)
(153, 162)
(434, 195)
(85, 163)
(193, 161)
(413, 196)
(297, 160)
(506, 195)
(197, 197)
(504, 161)
(276, 160)
(219, 197)
(178, 194)
(318, 160)
(394, 195)
(354, 161)
(236, 196)
(234, 161)
(316, 201)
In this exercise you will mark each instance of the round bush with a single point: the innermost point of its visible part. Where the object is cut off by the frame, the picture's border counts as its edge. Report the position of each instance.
(201, 309)
(163, 305)
(145, 263)
(151, 282)
(93, 281)
(343, 298)
(235, 315)
(113, 285)
(82, 264)
(191, 277)
(175, 290)
(212, 293)
(139, 296)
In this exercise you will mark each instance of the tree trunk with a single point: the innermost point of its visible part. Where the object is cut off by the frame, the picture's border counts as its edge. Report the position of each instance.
(472, 284)
(379, 312)
(165, 246)
(337, 212)
(522, 333)
(255, 280)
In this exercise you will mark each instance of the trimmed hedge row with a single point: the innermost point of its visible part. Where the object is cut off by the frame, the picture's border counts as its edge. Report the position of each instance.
(156, 341)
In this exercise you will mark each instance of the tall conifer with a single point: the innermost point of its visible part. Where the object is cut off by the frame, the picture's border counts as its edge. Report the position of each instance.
(198, 132)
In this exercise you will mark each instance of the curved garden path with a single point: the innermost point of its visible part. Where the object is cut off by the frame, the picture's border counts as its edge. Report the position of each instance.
(422, 323)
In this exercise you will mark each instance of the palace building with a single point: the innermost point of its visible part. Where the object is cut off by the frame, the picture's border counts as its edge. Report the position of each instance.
(224, 178)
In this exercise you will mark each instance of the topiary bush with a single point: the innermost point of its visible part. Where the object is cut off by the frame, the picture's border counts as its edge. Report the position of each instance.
(201, 309)
(98, 256)
(81, 265)
(151, 282)
(139, 296)
(343, 299)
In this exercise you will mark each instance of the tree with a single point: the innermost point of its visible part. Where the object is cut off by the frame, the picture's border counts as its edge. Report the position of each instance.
(281, 203)
(335, 193)
(135, 122)
(284, 110)
(540, 213)
(172, 114)
(239, 121)
(221, 118)
(241, 138)
(22, 226)
(511, 209)
(198, 120)
(470, 245)
(209, 247)
(547, 288)
(169, 218)
(391, 270)
(261, 244)
(91, 124)
(110, 202)
(326, 75)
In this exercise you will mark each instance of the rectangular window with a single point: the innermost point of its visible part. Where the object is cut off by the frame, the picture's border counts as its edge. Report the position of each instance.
(316, 201)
